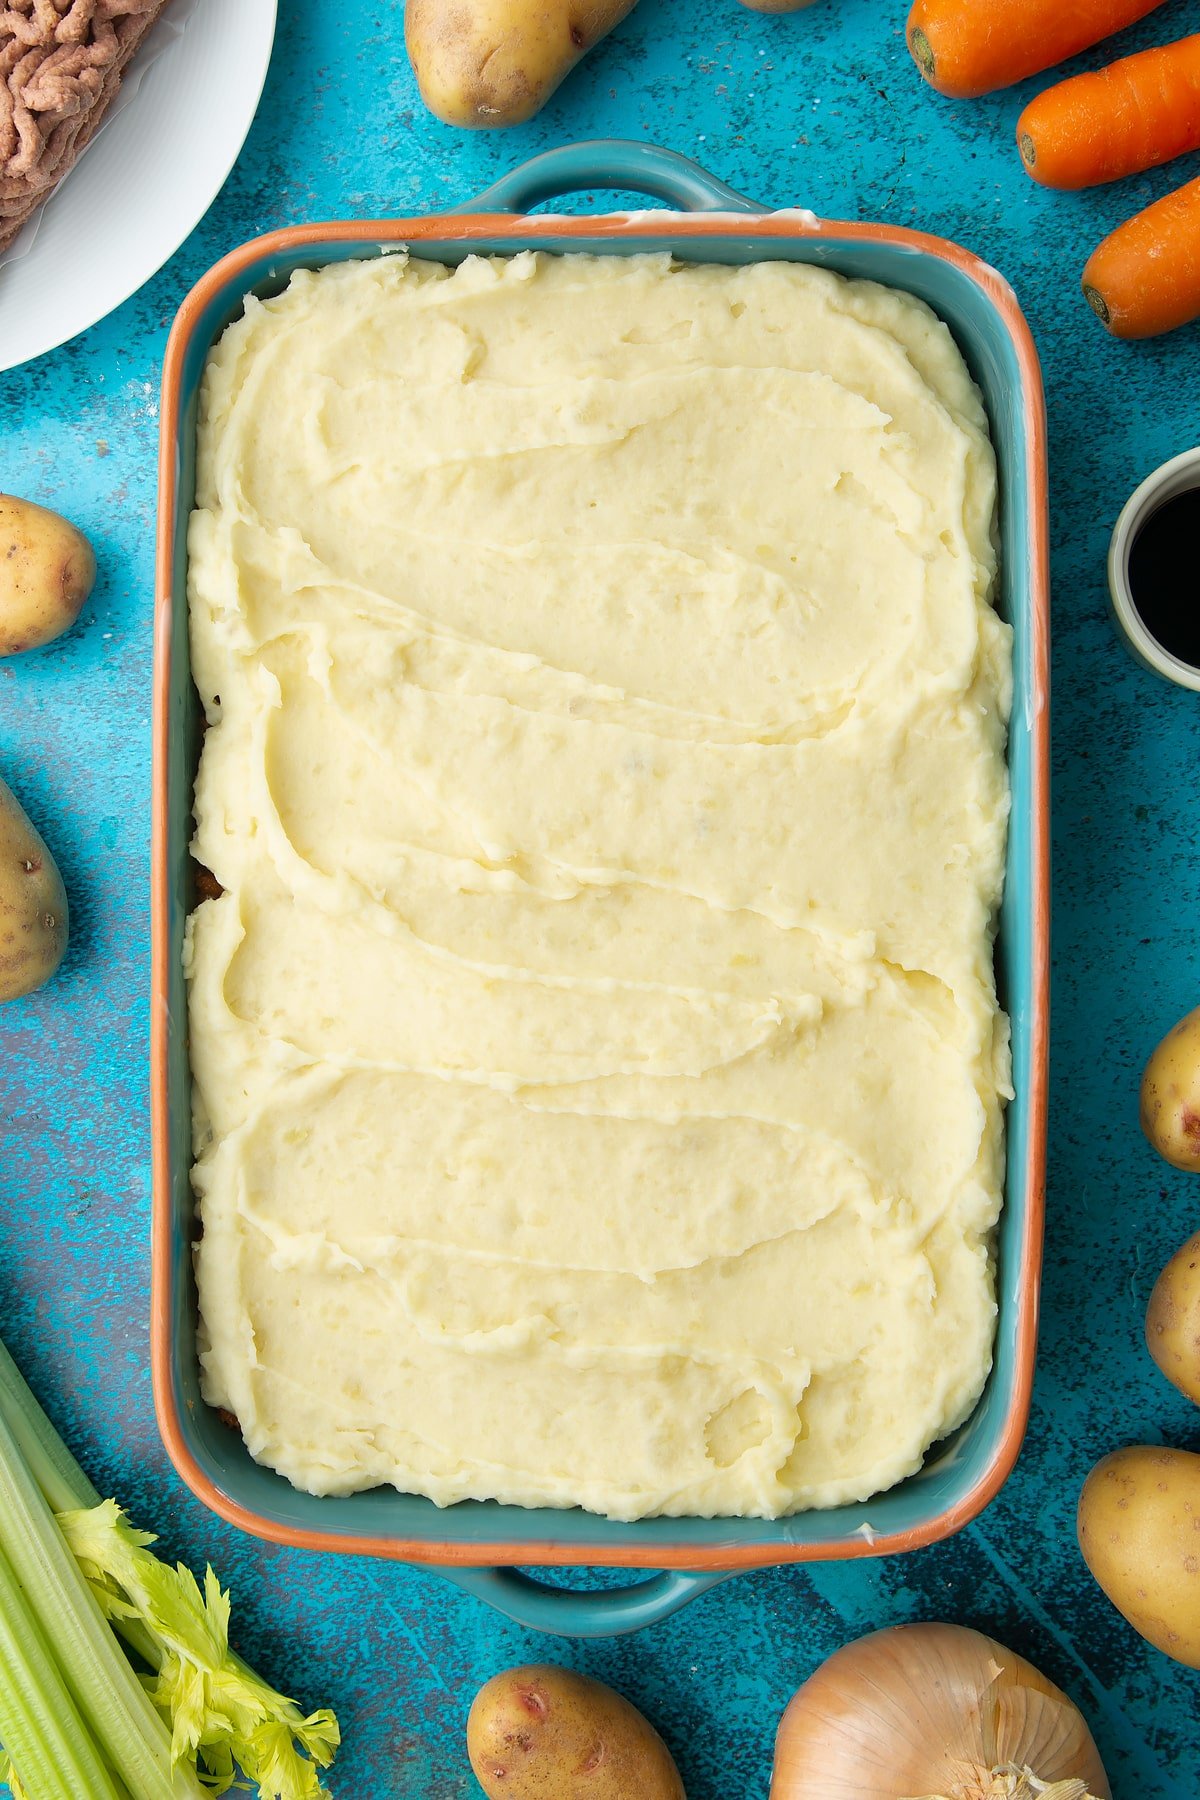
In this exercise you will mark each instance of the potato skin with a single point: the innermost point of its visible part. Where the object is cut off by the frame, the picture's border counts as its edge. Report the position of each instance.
(1170, 1098)
(1139, 1531)
(1173, 1320)
(777, 6)
(33, 904)
(46, 573)
(482, 63)
(543, 1733)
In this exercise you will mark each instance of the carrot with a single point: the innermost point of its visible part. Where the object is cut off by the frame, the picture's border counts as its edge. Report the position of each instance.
(1135, 114)
(969, 47)
(1145, 277)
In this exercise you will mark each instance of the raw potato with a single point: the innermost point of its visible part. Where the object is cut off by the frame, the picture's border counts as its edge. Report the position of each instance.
(1173, 1320)
(46, 573)
(541, 1733)
(1170, 1100)
(1139, 1530)
(497, 62)
(33, 904)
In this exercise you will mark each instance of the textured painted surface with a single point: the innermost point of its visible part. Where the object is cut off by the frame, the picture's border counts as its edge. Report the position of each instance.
(821, 109)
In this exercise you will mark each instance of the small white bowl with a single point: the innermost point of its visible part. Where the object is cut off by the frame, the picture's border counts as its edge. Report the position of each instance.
(1174, 477)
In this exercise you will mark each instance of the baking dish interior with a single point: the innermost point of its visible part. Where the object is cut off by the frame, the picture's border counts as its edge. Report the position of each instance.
(961, 1473)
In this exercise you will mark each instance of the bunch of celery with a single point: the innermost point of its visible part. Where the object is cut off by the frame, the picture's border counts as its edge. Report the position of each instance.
(77, 1721)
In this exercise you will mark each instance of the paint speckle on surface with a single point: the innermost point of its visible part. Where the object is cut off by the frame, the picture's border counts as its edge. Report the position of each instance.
(819, 109)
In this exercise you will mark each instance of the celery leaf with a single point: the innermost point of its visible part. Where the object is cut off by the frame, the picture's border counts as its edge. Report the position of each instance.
(222, 1715)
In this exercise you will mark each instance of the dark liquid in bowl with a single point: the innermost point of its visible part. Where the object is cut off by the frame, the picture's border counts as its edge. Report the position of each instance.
(1164, 575)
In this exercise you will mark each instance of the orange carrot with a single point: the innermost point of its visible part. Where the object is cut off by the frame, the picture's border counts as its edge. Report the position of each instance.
(969, 47)
(1145, 277)
(1135, 114)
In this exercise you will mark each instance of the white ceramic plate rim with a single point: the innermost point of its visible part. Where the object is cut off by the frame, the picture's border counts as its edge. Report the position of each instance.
(145, 183)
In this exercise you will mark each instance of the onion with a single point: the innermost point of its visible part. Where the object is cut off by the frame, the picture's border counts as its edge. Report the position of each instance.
(933, 1712)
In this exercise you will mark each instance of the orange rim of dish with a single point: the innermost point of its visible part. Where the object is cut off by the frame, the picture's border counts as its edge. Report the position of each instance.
(549, 1551)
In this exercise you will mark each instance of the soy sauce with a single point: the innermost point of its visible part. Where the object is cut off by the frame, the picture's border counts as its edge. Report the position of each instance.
(1164, 575)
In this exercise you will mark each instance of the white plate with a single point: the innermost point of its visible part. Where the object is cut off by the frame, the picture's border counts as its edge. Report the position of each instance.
(150, 176)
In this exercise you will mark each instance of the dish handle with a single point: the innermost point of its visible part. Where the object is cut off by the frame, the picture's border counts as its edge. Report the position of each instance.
(591, 1613)
(620, 163)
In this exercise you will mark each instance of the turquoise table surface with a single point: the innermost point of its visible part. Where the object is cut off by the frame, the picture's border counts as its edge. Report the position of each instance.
(821, 109)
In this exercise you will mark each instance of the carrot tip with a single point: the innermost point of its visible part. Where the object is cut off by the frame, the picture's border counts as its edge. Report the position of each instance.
(922, 51)
(1098, 303)
(1028, 149)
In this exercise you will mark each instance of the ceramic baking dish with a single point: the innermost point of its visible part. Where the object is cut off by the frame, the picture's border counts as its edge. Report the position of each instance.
(481, 1544)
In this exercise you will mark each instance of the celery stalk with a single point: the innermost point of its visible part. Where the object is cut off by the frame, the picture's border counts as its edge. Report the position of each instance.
(40, 1725)
(59, 1476)
(109, 1695)
(219, 1711)
(62, 1481)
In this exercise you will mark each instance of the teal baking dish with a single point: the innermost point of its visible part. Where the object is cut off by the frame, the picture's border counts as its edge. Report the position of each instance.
(483, 1545)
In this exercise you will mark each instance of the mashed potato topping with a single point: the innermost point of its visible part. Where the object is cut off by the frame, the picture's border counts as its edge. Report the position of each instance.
(597, 1062)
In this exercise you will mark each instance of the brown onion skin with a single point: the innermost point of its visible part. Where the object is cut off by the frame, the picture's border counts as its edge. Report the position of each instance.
(902, 1713)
